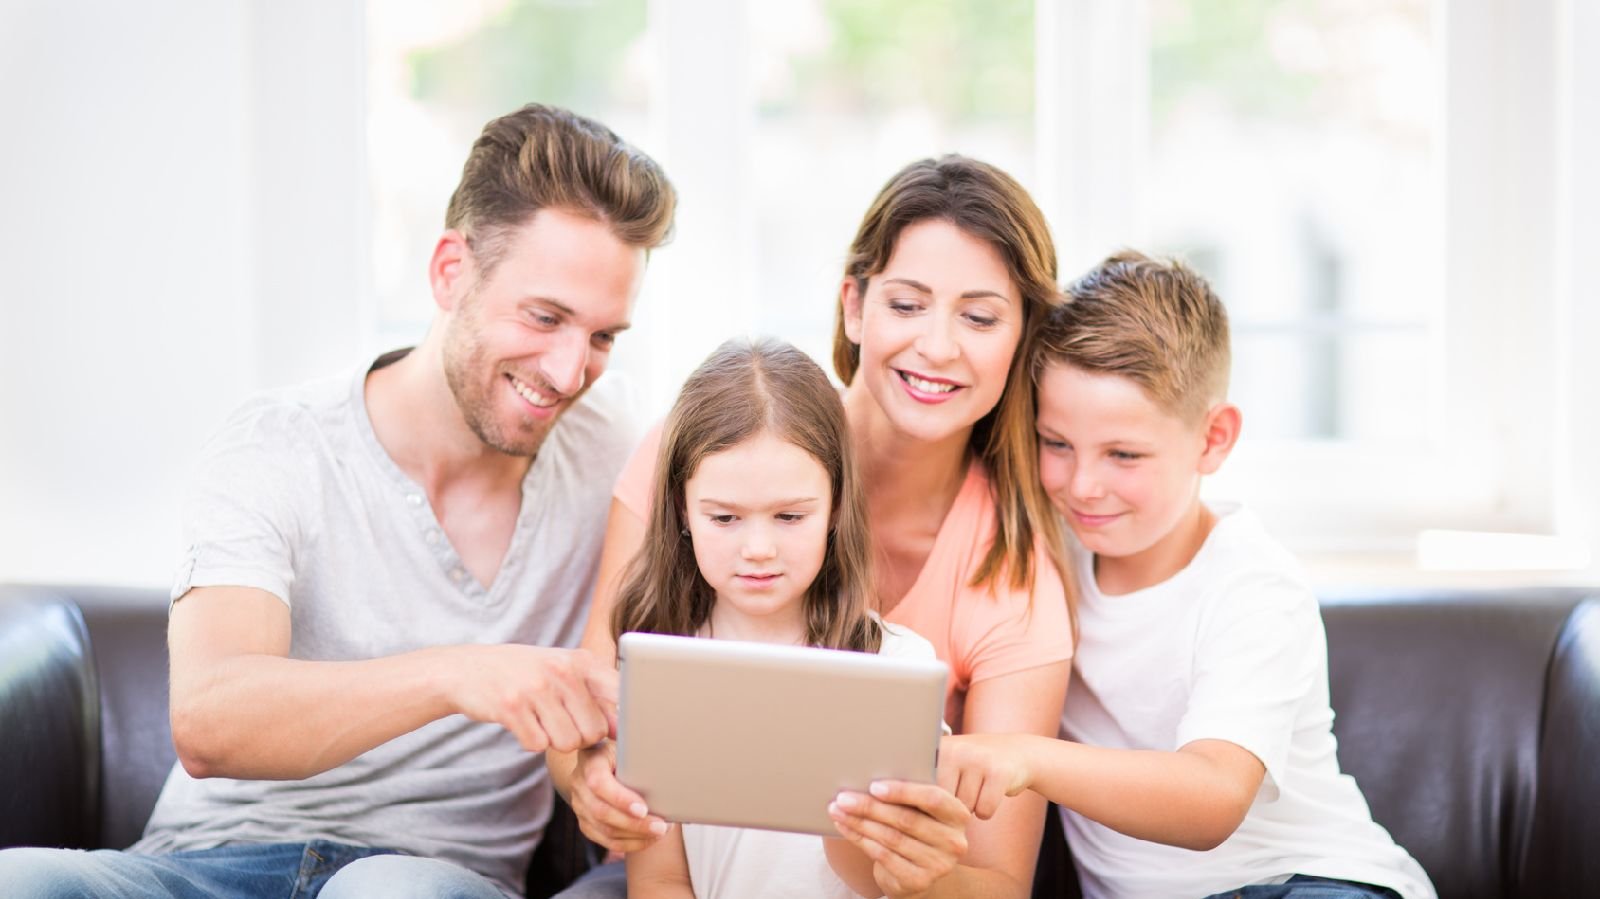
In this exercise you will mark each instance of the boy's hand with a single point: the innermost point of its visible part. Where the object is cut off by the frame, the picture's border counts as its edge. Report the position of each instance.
(982, 770)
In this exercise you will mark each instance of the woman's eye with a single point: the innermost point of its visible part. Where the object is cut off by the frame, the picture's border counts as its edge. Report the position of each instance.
(983, 321)
(904, 307)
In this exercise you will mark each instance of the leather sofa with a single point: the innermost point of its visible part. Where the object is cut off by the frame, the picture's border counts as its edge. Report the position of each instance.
(1471, 721)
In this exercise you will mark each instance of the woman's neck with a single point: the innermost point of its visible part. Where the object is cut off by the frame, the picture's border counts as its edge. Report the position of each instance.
(907, 475)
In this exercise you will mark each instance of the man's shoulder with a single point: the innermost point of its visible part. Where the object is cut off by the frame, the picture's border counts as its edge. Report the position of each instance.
(1244, 562)
(281, 410)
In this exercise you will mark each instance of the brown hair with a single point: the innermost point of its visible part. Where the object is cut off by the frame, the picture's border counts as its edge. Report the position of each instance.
(546, 157)
(1155, 322)
(740, 391)
(991, 206)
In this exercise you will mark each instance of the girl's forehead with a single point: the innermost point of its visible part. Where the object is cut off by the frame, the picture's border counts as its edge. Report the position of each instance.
(761, 464)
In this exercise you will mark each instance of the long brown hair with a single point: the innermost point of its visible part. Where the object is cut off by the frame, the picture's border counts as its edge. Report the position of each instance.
(742, 390)
(991, 206)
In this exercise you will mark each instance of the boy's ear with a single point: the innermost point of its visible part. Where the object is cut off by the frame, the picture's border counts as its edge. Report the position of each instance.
(1221, 432)
(850, 301)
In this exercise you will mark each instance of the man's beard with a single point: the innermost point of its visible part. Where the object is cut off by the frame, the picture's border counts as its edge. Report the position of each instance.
(465, 365)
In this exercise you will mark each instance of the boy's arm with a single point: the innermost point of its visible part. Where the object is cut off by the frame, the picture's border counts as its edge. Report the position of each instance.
(1195, 797)
(660, 870)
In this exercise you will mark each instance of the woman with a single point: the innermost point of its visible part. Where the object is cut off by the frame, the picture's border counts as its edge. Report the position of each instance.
(948, 278)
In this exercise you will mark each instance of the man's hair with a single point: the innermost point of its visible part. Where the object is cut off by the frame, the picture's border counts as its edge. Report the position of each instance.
(989, 205)
(1155, 322)
(543, 157)
(741, 391)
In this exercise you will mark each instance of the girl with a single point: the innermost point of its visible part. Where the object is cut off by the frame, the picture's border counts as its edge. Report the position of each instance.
(757, 531)
(946, 282)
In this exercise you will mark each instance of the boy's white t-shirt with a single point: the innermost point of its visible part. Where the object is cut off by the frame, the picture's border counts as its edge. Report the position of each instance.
(1230, 648)
(741, 862)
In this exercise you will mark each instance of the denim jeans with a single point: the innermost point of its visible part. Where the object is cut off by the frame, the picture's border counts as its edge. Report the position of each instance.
(1301, 886)
(249, 871)
(608, 881)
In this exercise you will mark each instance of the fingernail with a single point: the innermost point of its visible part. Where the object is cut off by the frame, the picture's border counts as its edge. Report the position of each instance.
(845, 800)
(638, 809)
(879, 790)
(658, 828)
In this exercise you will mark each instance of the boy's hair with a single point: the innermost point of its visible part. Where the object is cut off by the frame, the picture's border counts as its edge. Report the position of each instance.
(1155, 322)
(545, 157)
(988, 205)
(742, 390)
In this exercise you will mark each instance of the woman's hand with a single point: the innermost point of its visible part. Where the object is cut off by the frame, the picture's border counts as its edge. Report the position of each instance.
(608, 812)
(914, 833)
(982, 770)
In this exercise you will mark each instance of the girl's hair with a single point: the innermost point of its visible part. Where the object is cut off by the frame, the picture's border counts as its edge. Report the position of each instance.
(742, 390)
(989, 205)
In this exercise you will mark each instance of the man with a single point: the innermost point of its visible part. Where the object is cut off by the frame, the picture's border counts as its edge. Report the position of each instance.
(380, 566)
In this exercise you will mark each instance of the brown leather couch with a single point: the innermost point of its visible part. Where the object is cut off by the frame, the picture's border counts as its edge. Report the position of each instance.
(1471, 721)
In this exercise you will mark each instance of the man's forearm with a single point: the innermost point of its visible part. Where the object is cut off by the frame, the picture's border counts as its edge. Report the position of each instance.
(266, 717)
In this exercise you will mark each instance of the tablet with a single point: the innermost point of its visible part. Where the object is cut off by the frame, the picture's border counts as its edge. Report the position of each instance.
(761, 735)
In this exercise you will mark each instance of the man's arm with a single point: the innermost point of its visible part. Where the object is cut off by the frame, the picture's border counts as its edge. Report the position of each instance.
(241, 708)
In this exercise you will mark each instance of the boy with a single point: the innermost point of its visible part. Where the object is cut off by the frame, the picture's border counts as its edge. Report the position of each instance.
(1197, 755)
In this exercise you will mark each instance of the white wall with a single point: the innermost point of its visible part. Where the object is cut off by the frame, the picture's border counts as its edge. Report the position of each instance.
(167, 249)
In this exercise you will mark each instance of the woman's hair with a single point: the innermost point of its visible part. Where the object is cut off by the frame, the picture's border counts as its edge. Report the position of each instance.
(989, 205)
(742, 390)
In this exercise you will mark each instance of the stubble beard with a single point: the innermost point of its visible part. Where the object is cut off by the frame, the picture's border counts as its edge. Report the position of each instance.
(471, 378)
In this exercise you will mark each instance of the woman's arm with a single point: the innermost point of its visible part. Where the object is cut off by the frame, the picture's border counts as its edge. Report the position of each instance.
(1195, 797)
(660, 871)
(608, 812)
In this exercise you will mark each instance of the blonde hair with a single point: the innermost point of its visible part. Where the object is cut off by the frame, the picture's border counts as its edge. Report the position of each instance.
(1155, 322)
(742, 390)
(989, 205)
(546, 157)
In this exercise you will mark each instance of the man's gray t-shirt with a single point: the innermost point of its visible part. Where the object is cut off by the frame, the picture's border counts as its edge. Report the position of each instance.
(296, 496)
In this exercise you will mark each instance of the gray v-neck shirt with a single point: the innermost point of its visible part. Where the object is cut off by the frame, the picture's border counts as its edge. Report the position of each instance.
(296, 496)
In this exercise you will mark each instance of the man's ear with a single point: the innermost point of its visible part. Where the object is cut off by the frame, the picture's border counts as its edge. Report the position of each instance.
(850, 300)
(450, 270)
(1221, 432)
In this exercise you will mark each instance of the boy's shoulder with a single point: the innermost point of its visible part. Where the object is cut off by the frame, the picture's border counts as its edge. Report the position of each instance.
(1241, 559)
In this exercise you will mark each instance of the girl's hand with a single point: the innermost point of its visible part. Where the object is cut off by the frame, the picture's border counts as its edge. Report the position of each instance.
(914, 833)
(608, 812)
(982, 770)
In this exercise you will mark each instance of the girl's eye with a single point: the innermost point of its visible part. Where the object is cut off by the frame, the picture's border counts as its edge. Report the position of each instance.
(791, 516)
(721, 519)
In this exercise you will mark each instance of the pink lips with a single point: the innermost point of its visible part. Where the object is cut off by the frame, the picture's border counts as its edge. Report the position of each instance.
(923, 396)
(757, 580)
(1093, 521)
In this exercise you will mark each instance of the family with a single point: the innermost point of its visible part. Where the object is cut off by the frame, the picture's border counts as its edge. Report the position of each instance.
(394, 628)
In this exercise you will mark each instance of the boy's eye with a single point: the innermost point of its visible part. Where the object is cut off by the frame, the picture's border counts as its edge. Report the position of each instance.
(1052, 444)
(1125, 456)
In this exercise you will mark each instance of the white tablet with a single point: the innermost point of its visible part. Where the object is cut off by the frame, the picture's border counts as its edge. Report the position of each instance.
(759, 735)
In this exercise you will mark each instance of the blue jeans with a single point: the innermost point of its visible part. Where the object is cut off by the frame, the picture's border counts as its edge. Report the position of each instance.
(250, 870)
(1301, 886)
(608, 881)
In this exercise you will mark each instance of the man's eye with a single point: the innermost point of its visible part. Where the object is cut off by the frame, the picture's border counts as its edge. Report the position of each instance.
(604, 340)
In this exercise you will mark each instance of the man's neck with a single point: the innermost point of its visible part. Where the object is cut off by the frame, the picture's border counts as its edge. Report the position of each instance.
(419, 424)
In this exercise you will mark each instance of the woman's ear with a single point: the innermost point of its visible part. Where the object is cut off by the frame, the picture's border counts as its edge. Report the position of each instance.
(850, 302)
(1222, 425)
